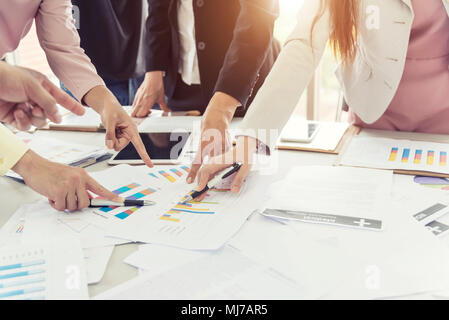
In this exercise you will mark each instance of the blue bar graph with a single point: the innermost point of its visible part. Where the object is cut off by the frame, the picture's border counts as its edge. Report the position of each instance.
(22, 265)
(21, 292)
(21, 282)
(21, 274)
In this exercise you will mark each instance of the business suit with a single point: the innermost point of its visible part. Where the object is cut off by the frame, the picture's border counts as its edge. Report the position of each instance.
(234, 40)
(369, 83)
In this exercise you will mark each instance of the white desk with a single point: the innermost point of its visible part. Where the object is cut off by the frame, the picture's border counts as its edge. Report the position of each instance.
(13, 194)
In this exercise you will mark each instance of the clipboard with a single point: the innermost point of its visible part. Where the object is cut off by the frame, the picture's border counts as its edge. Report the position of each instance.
(346, 137)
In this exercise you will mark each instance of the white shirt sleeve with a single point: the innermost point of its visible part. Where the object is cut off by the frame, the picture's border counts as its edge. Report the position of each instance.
(188, 57)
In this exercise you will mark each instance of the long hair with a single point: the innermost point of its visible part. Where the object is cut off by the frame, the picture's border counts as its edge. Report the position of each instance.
(344, 19)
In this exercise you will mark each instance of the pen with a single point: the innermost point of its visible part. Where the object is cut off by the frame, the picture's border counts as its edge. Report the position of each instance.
(223, 175)
(126, 203)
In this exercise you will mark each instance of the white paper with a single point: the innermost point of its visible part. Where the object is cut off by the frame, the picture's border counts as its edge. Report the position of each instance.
(320, 267)
(226, 274)
(47, 271)
(332, 190)
(156, 259)
(96, 260)
(403, 259)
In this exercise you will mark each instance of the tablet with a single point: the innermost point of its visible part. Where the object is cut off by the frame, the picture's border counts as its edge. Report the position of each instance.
(162, 147)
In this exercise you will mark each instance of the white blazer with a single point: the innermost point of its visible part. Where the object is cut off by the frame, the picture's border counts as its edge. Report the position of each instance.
(369, 84)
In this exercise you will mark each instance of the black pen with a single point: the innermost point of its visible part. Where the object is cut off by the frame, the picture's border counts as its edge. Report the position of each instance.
(95, 203)
(223, 175)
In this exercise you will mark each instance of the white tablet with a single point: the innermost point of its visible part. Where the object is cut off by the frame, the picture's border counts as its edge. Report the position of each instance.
(162, 147)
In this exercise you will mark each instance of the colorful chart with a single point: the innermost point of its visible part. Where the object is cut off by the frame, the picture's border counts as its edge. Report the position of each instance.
(135, 196)
(177, 172)
(141, 194)
(126, 188)
(189, 208)
(167, 175)
(431, 157)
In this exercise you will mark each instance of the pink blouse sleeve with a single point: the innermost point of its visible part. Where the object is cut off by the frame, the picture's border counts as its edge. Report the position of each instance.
(60, 40)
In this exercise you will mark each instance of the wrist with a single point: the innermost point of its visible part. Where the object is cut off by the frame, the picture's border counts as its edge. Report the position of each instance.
(99, 98)
(154, 74)
(225, 102)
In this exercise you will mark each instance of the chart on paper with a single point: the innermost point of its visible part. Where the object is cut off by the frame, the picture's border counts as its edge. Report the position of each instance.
(40, 272)
(202, 225)
(132, 191)
(397, 154)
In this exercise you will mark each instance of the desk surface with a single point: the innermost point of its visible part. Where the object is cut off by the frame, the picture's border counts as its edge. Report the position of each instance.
(14, 194)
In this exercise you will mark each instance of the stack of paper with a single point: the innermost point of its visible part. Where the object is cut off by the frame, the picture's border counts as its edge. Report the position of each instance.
(61, 151)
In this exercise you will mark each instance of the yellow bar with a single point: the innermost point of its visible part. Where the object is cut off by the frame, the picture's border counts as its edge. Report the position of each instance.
(169, 219)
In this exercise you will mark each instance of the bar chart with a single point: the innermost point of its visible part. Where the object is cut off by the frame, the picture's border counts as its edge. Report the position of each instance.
(23, 277)
(397, 154)
(408, 155)
(132, 191)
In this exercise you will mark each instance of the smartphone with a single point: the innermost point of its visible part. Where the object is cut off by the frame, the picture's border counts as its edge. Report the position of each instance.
(300, 133)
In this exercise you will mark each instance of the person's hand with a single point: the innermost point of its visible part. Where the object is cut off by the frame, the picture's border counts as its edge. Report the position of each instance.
(28, 98)
(65, 187)
(150, 92)
(215, 138)
(120, 128)
(242, 153)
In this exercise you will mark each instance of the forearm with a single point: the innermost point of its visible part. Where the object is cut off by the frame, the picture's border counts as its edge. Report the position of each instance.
(59, 39)
(253, 36)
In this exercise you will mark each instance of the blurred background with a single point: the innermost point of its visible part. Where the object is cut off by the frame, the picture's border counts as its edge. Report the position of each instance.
(325, 101)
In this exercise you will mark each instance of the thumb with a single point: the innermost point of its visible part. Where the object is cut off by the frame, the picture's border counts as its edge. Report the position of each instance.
(203, 178)
(194, 167)
(99, 190)
(207, 172)
(41, 97)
